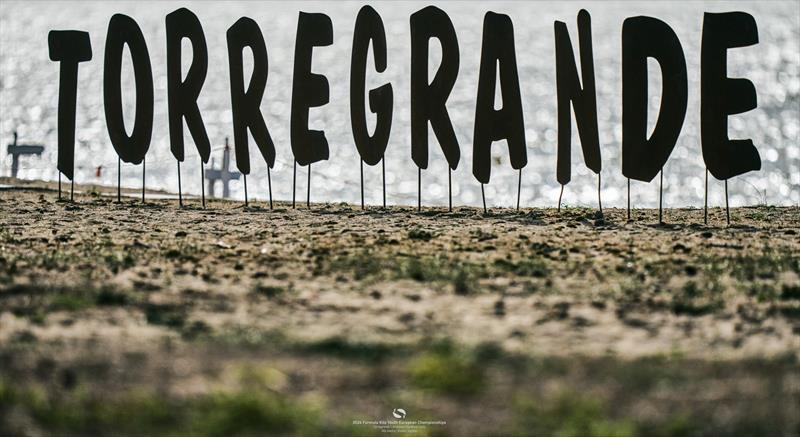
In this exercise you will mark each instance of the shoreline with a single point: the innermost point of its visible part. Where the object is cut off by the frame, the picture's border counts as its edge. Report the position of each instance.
(12, 184)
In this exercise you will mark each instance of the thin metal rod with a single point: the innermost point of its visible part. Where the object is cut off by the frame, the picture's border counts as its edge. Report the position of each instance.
(449, 189)
(419, 188)
(269, 185)
(559, 198)
(705, 207)
(294, 181)
(144, 167)
(660, 196)
(203, 182)
(519, 188)
(119, 179)
(727, 208)
(483, 195)
(244, 176)
(361, 161)
(599, 199)
(383, 171)
(59, 185)
(629, 199)
(180, 191)
(308, 194)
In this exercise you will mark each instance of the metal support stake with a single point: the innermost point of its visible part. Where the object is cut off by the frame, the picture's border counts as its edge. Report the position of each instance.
(660, 196)
(119, 180)
(144, 167)
(519, 188)
(483, 195)
(449, 190)
(629, 199)
(269, 185)
(294, 182)
(727, 207)
(599, 199)
(361, 161)
(244, 177)
(419, 188)
(180, 191)
(705, 207)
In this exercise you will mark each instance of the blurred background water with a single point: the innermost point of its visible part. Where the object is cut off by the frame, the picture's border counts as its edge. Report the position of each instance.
(29, 98)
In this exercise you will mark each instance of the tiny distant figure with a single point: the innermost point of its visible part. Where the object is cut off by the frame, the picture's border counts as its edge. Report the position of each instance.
(99, 171)
(17, 150)
(222, 174)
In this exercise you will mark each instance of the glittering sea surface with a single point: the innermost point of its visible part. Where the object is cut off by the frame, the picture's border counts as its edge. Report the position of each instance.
(29, 97)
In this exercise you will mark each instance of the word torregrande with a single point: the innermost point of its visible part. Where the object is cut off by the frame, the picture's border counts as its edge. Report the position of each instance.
(642, 38)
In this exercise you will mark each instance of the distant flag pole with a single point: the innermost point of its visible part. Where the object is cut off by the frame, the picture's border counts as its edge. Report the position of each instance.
(559, 197)
(483, 195)
(269, 185)
(705, 206)
(180, 191)
(519, 188)
(308, 192)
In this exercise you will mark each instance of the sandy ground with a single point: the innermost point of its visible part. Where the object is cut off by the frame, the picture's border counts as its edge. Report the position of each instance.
(480, 320)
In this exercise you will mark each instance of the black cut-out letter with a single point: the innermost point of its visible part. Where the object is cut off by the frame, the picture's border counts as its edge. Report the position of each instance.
(369, 27)
(428, 101)
(721, 96)
(69, 48)
(309, 89)
(123, 30)
(246, 104)
(644, 37)
(506, 123)
(182, 96)
(583, 99)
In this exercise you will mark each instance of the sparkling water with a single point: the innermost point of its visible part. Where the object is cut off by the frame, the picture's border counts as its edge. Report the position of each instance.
(29, 98)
